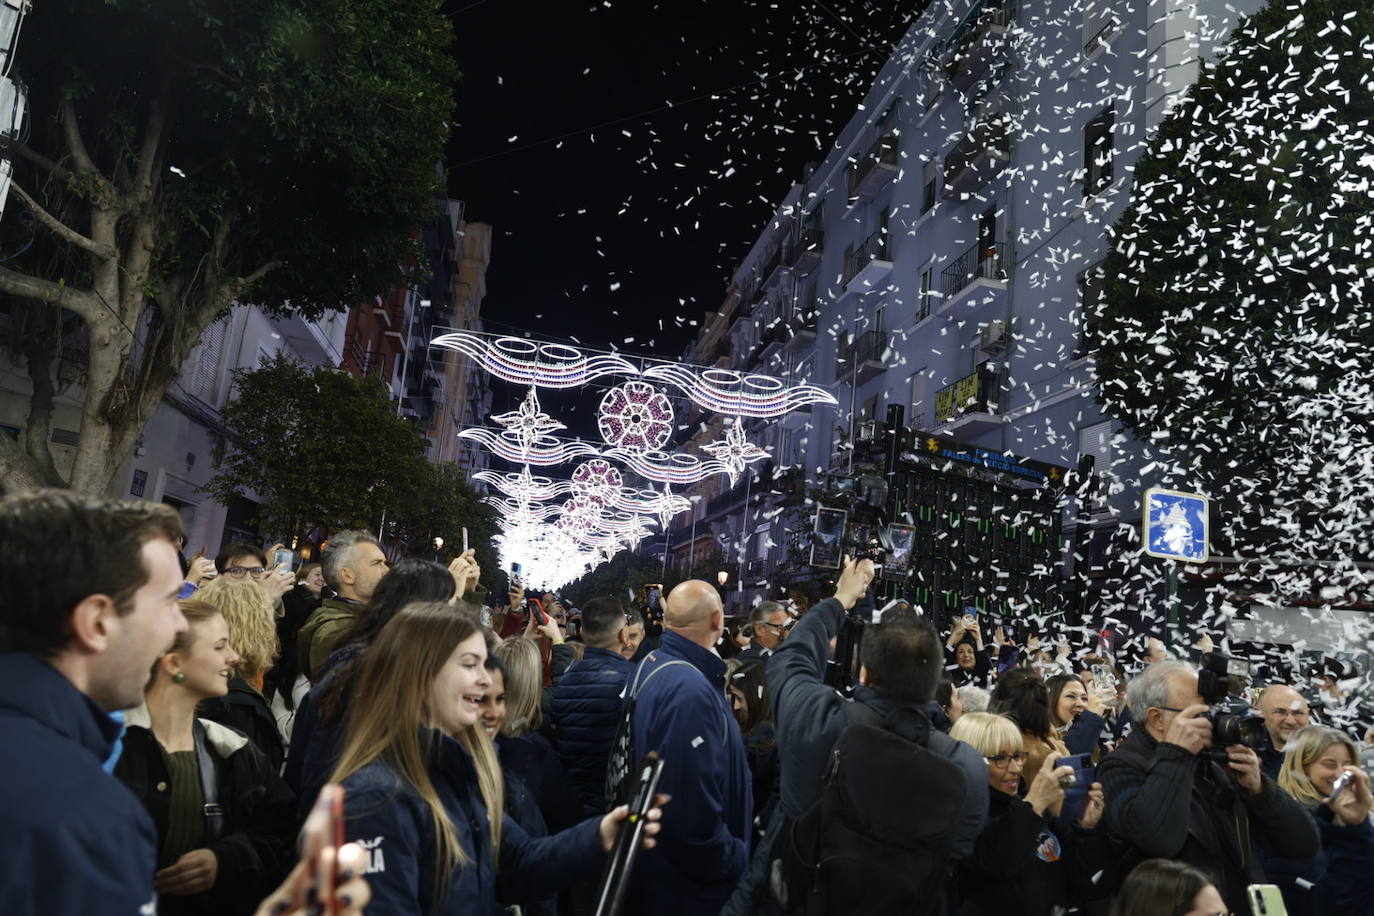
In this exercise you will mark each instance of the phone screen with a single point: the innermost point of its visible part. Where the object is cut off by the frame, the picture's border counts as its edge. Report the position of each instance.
(827, 538)
(285, 556)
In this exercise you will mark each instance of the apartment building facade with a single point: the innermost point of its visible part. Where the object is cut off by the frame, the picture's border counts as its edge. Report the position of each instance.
(941, 256)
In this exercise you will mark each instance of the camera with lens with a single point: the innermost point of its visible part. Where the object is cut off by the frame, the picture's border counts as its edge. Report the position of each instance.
(866, 535)
(1221, 681)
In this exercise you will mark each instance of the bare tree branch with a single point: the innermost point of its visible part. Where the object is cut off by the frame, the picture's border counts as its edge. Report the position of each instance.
(78, 301)
(150, 151)
(238, 286)
(61, 229)
(60, 172)
(39, 424)
(75, 145)
(17, 470)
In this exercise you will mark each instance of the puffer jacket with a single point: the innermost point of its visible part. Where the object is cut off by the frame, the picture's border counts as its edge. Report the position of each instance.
(587, 707)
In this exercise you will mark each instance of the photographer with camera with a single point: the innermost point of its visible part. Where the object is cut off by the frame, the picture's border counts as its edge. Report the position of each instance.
(1171, 792)
(900, 664)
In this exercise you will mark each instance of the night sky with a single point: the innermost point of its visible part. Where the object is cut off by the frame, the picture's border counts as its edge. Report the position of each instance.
(617, 218)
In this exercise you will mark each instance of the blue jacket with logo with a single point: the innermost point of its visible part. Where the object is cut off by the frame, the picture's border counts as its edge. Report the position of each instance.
(681, 712)
(386, 816)
(587, 705)
(73, 839)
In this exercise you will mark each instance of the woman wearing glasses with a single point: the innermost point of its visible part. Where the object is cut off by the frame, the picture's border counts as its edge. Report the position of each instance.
(1025, 861)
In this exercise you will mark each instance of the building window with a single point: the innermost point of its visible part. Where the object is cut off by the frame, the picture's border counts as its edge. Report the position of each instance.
(1097, 152)
(930, 180)
(923, 306)
(919, 384)
(1089, 301)
(1099, 24)
(1096, 440)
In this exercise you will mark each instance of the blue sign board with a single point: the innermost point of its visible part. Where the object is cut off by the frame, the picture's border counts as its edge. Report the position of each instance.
(1175, 525)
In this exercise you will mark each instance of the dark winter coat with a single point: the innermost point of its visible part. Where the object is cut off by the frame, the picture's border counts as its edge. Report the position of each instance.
(1084, 735)
(1023, 863)
(808, 717)
(681, 712)
(246, 711)
(1336, 882)
(297, 606)
(257, 846)
(315, 744)
(538, 796)
(73, 840)
(387, 817)
(587, 706)
(323, 632)
(1163, 802)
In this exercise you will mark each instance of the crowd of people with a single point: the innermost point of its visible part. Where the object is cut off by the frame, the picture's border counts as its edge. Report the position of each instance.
(175, 729)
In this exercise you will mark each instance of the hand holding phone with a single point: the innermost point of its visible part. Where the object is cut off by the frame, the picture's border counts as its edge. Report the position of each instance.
(1076, 792)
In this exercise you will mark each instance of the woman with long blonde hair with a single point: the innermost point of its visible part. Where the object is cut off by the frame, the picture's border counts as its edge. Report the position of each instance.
(1336, 882)
(424, 790)
(252, 626)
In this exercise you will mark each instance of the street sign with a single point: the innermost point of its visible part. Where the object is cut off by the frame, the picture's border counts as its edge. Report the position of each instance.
(1174, 525)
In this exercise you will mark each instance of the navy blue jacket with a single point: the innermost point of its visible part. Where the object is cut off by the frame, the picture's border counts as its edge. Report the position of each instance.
(1084, 734)
(1335, 882)
(73, 839)
(681, 712)
(387, 817)
(315, 746)
(587, 705)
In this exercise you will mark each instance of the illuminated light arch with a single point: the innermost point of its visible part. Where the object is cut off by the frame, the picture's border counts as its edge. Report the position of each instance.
(531, 362)
(730, 392)
(543, 452)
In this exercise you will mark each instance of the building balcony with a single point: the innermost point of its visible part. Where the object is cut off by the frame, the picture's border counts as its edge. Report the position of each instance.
(979, 157)
(872, 170)
(978, 41)
(868, 265)
(971, 405)
(863, 357)
(977, 278)
(772, 267)
(804, 254)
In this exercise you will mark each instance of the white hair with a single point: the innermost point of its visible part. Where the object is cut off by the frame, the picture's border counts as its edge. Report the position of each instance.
(974, 698)
(1150, 688)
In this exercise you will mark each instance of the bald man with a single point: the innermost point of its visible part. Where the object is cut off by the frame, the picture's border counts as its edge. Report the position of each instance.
(681, 712)
(1285, 711)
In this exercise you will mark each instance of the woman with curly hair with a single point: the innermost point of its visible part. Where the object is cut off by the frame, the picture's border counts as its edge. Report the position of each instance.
(253, 633)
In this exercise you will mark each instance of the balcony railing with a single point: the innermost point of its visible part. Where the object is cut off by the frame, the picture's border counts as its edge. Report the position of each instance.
(976, 42)
(878, 162)
(974, 393)
(873, 248)
(977, 157)
(982, 260)
(805, 251)
(367, 362)
(864, 355)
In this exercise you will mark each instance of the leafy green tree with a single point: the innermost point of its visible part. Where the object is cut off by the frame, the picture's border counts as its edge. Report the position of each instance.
(318, 447)
(187, 154)
(1233, 334)
(442, 504)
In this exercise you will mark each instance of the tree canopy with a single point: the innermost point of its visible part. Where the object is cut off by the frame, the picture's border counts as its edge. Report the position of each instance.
(185, 155)
(1233, 333)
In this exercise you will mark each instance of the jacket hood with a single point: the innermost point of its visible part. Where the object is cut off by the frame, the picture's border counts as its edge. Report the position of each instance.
(36, 690)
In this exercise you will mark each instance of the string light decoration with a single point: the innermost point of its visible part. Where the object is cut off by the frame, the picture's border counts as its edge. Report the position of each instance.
(730, 392)
(524, 487)
(530, 362)
(734, 451)
(662, 467)
(528, 423)
(598, 481)
(635, 415)
(543, 452)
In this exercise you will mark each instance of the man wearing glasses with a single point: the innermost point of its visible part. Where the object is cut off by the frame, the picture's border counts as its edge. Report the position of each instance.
(769, 623)
(1170, 794)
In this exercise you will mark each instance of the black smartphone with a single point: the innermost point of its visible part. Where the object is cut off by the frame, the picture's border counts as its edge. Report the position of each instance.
(1076, 795)
(621, 861)
(537, 610)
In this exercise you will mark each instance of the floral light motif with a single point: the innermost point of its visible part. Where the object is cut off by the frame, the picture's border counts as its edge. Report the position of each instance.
(597, 480)
(528, 422)
(734, 451)
(636, 416)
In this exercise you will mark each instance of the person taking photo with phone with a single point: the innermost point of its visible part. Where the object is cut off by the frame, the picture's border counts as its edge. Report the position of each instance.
(1026, 861)
(1321, 771)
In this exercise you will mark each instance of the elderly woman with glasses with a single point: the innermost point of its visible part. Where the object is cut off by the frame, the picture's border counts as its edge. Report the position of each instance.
(1026, 861)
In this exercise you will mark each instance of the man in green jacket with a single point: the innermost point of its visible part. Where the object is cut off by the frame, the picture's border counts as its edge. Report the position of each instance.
(353, 566)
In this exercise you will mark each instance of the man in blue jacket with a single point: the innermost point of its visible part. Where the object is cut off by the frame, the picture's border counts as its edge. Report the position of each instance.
(681, 712)
(88, 602)
(588, 701)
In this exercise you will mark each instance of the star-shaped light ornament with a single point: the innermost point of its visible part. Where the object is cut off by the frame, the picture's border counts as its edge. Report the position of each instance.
(734, 451)
(528, 423)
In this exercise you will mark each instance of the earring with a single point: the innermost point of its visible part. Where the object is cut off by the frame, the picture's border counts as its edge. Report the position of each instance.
(178, 677)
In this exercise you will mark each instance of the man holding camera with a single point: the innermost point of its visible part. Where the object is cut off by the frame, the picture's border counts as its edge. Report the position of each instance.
(1172, 794)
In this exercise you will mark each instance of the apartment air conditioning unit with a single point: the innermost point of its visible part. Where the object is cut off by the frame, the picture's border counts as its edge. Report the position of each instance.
(993, 337)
